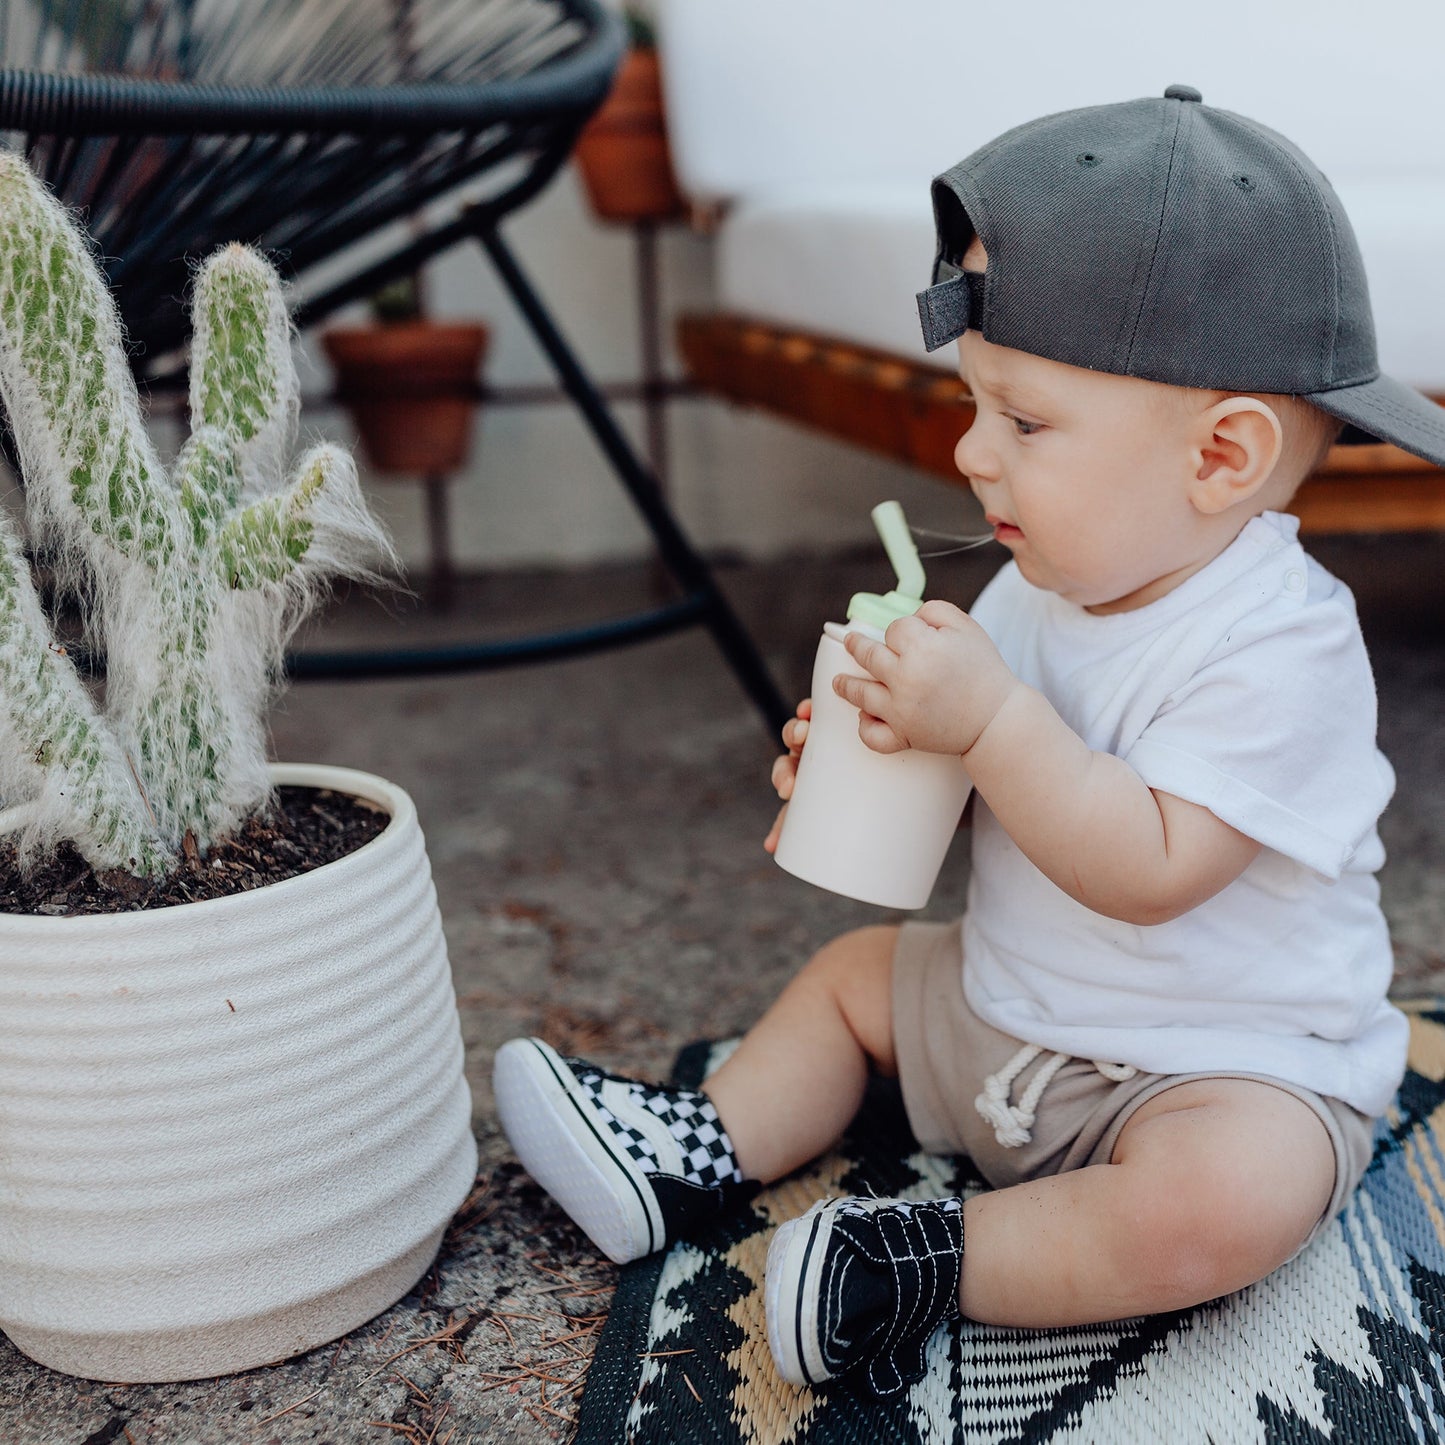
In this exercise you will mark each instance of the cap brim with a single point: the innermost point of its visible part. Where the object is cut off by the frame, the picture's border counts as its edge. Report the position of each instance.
(1389, 411)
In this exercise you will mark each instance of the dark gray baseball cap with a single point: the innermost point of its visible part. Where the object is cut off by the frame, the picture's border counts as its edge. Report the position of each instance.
(1169, 240)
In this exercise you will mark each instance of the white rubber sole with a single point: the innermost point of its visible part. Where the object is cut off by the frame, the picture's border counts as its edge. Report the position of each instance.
(555, 1132)
(795, 1266)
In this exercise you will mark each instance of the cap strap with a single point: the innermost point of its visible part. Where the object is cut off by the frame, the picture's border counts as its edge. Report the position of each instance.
(949, 308)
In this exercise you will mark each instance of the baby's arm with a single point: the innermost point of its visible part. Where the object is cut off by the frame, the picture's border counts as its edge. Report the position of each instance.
(1086, 819)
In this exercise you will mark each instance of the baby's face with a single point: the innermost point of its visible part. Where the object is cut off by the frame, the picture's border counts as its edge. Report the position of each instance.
(1084, 476)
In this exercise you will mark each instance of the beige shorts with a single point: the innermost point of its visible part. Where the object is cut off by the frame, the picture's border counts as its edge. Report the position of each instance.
(945, 1052)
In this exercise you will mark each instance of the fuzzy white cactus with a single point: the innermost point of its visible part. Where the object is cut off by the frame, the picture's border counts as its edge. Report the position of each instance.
(193, 581)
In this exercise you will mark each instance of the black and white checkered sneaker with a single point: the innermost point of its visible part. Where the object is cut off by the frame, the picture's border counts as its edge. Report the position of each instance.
(862, 1284)
(636, 1165)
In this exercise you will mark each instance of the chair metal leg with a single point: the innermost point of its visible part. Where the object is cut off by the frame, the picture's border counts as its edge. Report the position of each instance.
(690, 570)
(441, 587)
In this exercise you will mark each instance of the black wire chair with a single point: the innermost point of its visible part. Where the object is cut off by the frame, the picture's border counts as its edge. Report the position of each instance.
(309, 128)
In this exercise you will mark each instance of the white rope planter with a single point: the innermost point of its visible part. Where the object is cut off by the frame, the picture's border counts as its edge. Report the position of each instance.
(145, 1236)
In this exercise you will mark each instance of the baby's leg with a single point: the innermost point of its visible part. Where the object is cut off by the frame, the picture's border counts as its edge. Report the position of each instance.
(797, 1078)
(1213, 1184)
(638, 1165)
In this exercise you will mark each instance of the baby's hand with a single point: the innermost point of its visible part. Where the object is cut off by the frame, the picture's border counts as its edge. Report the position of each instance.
(936, 683)
(785, 768)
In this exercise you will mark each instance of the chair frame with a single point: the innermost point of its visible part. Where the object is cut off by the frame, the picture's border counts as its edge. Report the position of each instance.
(61, 115)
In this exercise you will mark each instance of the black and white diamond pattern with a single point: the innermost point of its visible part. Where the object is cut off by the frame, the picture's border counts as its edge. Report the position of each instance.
(706, 1152)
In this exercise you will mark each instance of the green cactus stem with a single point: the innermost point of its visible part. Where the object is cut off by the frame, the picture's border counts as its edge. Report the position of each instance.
(195, 580)
(50, 729)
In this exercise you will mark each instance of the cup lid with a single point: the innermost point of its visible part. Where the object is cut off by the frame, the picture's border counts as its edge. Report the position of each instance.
(879, 609)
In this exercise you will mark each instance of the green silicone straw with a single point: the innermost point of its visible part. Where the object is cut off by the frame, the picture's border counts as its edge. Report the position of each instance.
(898, 543)
(907, 595)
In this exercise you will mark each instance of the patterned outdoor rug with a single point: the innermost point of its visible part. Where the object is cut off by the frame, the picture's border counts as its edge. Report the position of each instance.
(1344, 1344)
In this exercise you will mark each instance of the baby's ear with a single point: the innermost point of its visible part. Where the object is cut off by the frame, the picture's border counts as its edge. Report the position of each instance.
(1237, 444)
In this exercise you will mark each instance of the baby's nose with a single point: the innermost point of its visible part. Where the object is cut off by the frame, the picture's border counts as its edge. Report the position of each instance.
(973, 457)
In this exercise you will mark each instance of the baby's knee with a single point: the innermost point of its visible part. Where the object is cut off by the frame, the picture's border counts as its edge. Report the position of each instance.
(855, 971)
(1198, 1238)
(859, 961)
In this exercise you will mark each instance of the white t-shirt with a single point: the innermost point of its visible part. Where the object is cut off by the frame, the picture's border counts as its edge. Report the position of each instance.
(1246, 690)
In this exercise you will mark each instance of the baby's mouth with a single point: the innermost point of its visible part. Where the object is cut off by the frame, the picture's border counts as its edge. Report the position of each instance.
(1003, 531)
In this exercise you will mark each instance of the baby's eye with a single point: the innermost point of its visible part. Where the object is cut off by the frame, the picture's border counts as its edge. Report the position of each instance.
(1025, 428)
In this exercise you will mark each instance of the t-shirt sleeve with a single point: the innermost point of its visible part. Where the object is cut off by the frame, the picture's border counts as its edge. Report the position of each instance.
(1275, 734)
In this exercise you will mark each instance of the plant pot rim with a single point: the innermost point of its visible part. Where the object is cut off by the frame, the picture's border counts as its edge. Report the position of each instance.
(351, 781)
(421, 323)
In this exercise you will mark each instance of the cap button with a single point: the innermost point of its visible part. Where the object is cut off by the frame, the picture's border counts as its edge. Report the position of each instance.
(1182, 92)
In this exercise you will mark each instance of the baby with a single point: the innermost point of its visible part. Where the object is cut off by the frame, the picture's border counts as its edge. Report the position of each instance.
(1161, 1029)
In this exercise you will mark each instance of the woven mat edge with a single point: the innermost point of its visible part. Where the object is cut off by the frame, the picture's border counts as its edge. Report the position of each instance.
(615, 1374)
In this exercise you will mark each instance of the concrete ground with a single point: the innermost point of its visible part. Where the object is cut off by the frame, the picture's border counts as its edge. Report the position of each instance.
(594, 828)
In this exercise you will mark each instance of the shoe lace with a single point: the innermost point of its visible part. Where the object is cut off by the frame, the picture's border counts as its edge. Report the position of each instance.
(922, 1246)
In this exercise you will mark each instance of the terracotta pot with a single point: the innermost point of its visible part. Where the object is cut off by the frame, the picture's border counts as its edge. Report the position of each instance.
(411, 389)
(623, 152)
(232, 1130)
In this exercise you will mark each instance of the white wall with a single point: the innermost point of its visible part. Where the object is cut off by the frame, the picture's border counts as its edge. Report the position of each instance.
(538, 490)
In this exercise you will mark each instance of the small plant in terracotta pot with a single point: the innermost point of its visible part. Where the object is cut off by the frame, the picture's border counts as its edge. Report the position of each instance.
(182, 1084)
(623, 152)
(410, 383)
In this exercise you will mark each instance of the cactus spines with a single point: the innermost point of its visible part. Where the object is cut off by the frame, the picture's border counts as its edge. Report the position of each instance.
(55, 749)
(193, 580)
(243, 378)
(64, 361)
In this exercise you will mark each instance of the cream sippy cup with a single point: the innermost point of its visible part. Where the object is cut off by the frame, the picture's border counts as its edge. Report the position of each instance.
(871, 826)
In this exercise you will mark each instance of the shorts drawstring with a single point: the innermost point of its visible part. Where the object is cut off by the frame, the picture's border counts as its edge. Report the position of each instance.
(1012, 1122)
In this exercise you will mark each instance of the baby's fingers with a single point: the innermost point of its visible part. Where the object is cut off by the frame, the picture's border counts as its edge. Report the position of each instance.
(863, 692)
(872, 654)
(785, 775)
(770, 843)
(795, 730)
(937, 613)
(878, 735)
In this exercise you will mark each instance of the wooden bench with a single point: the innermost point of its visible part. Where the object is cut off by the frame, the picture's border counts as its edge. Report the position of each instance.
(915, 414)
